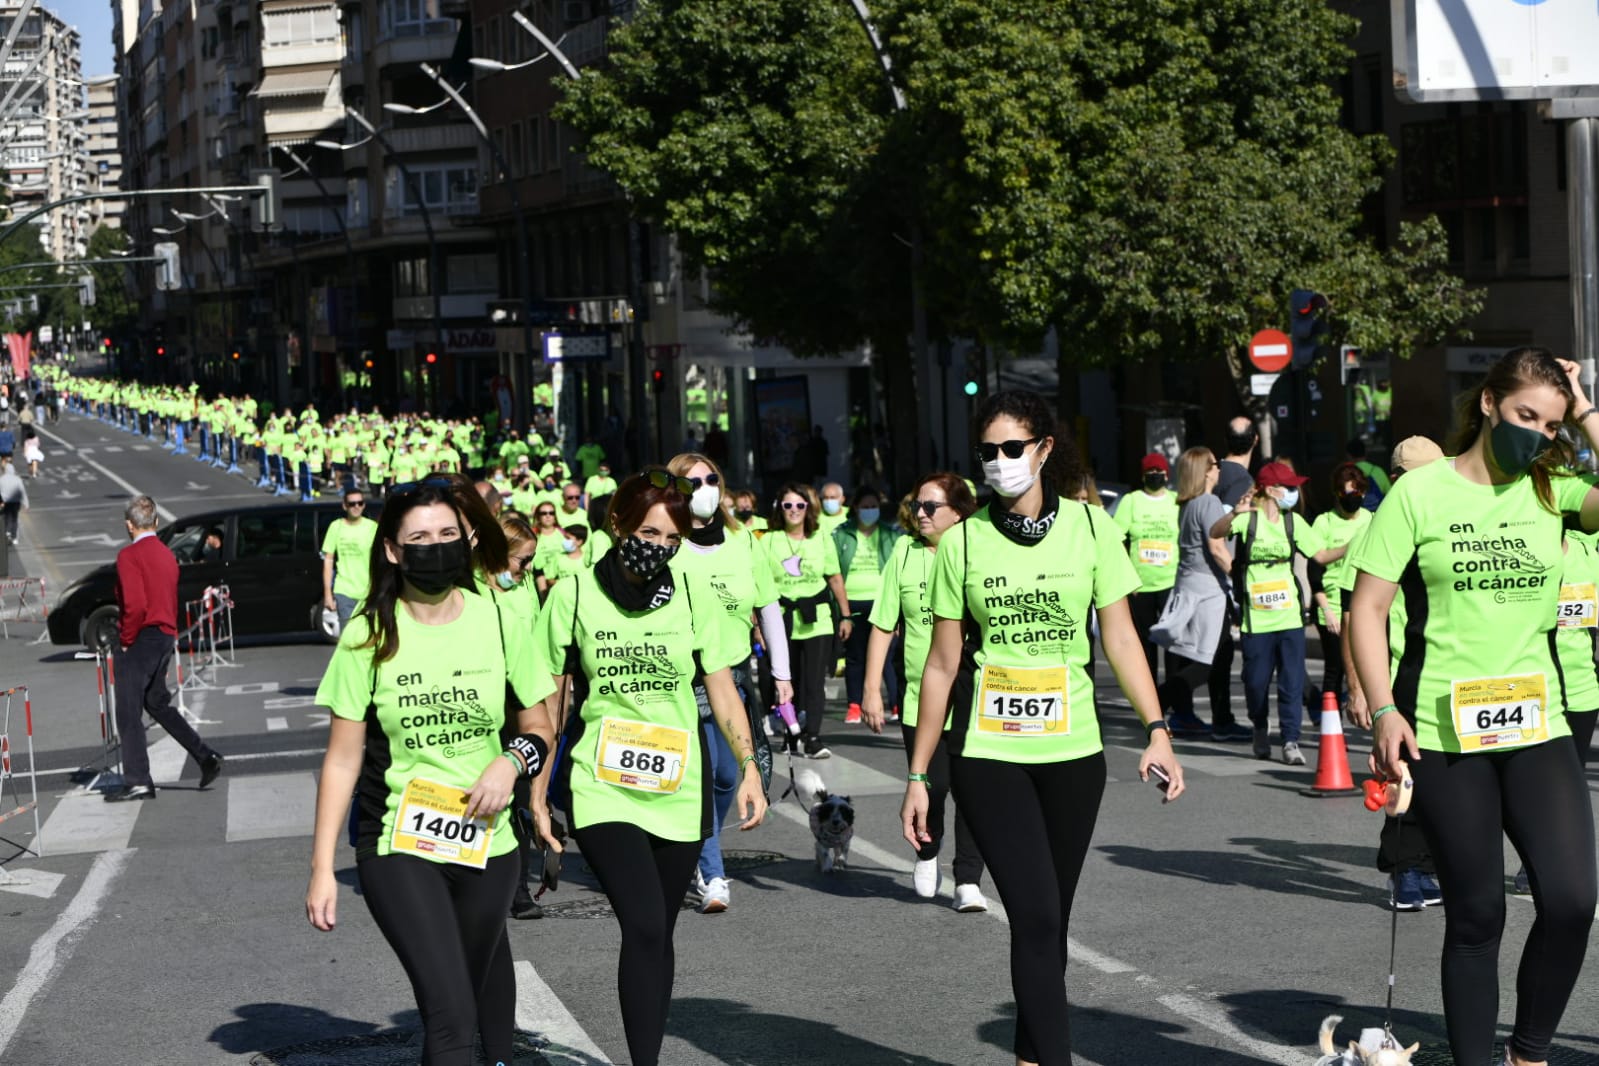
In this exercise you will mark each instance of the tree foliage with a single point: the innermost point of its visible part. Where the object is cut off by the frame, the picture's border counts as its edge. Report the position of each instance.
(1147, 177)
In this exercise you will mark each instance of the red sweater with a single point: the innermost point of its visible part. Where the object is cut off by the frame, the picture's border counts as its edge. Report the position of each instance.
(147, 588)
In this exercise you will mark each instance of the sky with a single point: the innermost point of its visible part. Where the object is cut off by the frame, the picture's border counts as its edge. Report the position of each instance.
(93, 20)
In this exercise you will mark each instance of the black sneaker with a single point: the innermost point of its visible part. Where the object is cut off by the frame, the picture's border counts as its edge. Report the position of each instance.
(814, 749)
(210, 767)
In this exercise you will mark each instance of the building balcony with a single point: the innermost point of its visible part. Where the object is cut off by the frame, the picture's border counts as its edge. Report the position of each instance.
(450, 306)
(352, 69)
(442, 137)
(409, 51)
(300, 55)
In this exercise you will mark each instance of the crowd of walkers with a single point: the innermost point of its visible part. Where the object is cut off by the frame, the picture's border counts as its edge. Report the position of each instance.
(637, 645)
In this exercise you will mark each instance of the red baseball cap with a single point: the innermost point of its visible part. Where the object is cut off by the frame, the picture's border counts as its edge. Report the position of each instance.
(1154, 461)
(1278, 474)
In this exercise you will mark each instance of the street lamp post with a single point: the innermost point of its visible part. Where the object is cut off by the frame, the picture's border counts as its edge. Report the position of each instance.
(373, 133)
(344, 231)
(216, 270)
(522, 392)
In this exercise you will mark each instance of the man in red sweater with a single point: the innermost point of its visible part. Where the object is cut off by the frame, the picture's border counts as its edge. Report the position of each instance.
(147, 595)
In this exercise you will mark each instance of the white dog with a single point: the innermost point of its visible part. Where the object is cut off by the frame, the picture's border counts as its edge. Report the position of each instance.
(832, 821)
(1374, 1049)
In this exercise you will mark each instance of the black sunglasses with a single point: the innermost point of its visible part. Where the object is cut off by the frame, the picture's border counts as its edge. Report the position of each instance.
(573, 496)
(928, 507)
(442, 483)
(708, 479)
(1013, 449)
(543, 514)
(665, 479)
(354, 503)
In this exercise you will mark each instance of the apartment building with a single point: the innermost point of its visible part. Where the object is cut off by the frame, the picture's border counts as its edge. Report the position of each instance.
(104, 165)
(43, 153)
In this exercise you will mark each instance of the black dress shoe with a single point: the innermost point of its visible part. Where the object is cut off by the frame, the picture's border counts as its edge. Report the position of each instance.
(524, 907)
(130, 792)
(210, 767)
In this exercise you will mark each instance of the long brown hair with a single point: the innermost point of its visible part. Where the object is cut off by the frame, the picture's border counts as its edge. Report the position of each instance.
(812, 506)
(1192, 467)
(633, 500)
(1518, 369)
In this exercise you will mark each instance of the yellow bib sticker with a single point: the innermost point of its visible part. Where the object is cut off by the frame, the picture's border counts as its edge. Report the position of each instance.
(1155, 552)
(432, 822)
(1495, 713)
(642, 756)
(1579, 607)
(1271, 595)
(1023, 701)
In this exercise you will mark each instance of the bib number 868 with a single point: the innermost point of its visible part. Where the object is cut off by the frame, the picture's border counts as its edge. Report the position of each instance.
(1023, 706)
(642, 761)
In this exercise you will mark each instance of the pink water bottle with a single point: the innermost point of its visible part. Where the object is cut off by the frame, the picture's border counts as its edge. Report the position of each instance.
(785, 711)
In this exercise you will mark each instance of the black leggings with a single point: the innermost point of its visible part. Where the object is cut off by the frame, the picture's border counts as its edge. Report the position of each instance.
(450, 963)
(1033, 824)
(1466, 804)
(968, 865)
(811, 661)
(645, 878)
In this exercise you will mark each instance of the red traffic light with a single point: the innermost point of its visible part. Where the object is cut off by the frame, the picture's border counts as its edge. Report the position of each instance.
(369, 364)
(160, 350)
(235, 355)
(105, 342)
(432, 358)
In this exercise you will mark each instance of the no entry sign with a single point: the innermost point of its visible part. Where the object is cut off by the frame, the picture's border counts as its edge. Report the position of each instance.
(1269, 351)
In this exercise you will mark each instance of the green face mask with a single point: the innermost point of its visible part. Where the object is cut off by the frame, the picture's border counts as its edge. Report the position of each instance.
(1516, 448)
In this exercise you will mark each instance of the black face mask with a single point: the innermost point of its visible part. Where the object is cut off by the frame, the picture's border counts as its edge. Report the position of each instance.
(1351, 501)
(433, 568)
(744, 516)
(643, 558)
(1154, 480)
(1239, 443)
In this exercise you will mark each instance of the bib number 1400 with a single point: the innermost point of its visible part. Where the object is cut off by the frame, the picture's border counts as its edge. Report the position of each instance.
(441, 828)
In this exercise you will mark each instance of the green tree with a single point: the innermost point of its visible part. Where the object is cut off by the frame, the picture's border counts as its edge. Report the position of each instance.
(1148, 178)
(114, 310)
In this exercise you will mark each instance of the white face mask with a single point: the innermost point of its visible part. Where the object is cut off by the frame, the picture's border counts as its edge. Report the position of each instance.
(705, 501)
(832, 506)
(1010, 477)
(1289, 499)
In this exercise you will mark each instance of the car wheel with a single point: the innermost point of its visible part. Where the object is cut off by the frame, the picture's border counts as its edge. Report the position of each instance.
(101, 629)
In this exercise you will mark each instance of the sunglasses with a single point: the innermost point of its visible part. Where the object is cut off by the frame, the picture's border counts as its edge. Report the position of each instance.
(665, 479)
(708, 479)
(522, 561)
(1013, 449)
(788, 506)
(928, 507)
(351, 505)
(574, 497)
(544, 514)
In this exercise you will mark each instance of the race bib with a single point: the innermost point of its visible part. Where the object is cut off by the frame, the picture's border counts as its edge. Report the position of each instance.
(1021, 701)
(1155, 552)
(1494, 713)
(1579, 607)
(1271, 595)
(642, 756)
(432, 822)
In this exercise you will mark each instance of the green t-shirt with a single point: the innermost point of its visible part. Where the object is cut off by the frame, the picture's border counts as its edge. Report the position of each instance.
(559, 565)
(903, 601)
(589, 457)
(350, 545)
(1577, 621)
(801, 569)
(829, 522)
(1271, 587)
(1397, 617)
(640, 668)
(736, 571)
(1336, 532)
(597, 486)
(865, 575)
(599, 543)
(565, 518)
(1032, 700)
(1480, 567)
(440, 704)
(1151, 526)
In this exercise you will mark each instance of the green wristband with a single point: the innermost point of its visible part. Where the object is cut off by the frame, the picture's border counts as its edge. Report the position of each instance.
(923, 778)
(746, 760)
(1387, 708)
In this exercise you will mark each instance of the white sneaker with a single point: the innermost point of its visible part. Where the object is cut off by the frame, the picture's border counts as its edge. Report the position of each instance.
(969, 899)
(717, 896)
(927, 877)
(696, 890)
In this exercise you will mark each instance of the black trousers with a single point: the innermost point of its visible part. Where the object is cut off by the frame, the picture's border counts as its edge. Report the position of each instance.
(1466, 805)
(447, 925)
(141, 673)
(1146, 608)
(968, 865)
(811, 661)
(644, 877)
(1034, 824)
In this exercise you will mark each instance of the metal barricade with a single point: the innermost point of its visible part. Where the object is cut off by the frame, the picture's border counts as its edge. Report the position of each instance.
(206, 638)
(105, 771)
(14, 806)
(22, 600)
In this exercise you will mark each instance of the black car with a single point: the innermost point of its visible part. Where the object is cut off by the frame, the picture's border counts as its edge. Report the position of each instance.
(269, 557)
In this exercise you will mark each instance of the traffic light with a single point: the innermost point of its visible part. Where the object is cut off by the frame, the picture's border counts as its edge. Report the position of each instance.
(970, 388)
(1306, 325)
(235, 355)
(105, 342)
(266, 209)
(168, 276)
(1350, 361)
(369, 364)
(86, 290)
(160, 349)
(658, 380)
(432, 357)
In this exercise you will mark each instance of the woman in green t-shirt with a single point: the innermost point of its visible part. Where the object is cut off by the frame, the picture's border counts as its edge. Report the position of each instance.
(865, 543)
(566, 562)
(1014, 583)
(1339, 528)
(632, 635)
(513, 590)
(940, 502)
(1477, 701)
(804, 561)
(417, 690)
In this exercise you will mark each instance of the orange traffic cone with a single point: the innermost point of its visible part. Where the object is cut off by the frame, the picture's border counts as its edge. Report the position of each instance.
(1332, 763)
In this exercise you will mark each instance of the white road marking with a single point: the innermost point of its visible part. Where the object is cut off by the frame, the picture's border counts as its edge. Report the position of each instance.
(271, 805)
(274, 724)
(540, 1010)
(112, 448)
(162, 511)
(84, 822)
(250, 688)
(40, 883)
(52, 950)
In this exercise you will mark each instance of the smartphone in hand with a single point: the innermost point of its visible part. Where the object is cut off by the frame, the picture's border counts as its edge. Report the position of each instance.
(1159, 777)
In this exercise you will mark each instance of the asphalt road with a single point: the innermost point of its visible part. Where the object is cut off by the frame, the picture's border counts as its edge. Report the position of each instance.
(1219, 930)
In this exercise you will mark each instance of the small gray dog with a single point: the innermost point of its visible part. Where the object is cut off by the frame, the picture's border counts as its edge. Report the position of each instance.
(832, 821)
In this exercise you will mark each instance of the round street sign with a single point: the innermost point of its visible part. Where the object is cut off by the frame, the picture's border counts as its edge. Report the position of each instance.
(1270, 351)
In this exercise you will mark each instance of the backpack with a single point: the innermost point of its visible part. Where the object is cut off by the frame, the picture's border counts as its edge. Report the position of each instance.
(1241, 566)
